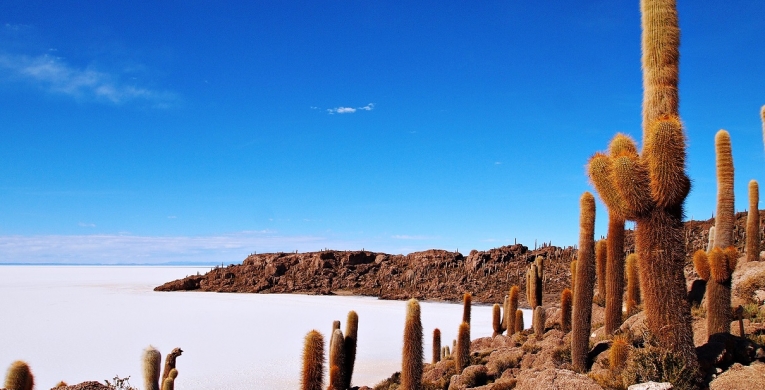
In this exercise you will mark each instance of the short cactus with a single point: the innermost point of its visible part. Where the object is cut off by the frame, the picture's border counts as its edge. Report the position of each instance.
(619, 352)
(512, 306)
(19, 377)
(313, 362)
(753, 223)
(152, 360)
(462, 355)
(519, 325)
(169, 382)
(722, 263)
(496, 320)
(411, 364)
(534, 287)
(539, 322)
(437, 350)
(565, 308)
(336, 361)
(170, 363)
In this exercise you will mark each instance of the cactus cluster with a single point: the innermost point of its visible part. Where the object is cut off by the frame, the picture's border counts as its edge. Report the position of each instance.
(534, 282)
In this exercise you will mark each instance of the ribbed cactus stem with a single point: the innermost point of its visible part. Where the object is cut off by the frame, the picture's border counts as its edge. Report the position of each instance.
(512, 306)
(467, 302)
(169, 382)
(519, 326)
(565, 308)
(349, 347)
(614, 273)
(313, 362)
(462, 355)
(496, 320)
(336, 361)
(601, 255)
(725, 218)
(753, 223)
(539, 322)
(619, 352)
(411, 362)
(152, 361)
(573, 275)
(633, 284)
(660, 43)
(437, 350)
(585, 278)
(19, 377)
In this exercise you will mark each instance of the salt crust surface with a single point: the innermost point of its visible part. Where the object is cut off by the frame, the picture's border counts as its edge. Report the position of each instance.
(79, 323)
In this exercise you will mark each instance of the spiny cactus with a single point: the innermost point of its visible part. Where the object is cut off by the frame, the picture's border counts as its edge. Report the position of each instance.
(753, 223)
(19, 377)
(565, 310)
(467, 302)
(573, 275)
(722, 263)
(411, 365)
(462, 354)
(618, 353)
(539, 322)
(496, 320)
(652, 186)
(701, 264)
(152, 360)
(725, 217)
(585, 278)
(601, 253)
(437, 350)
(614, 273)
(313, 362)
(633, 284)
(349, 347)
(512, 306)
(336, 361)
(711, 243)
(170, 362)
(519, 326)
(534, 278)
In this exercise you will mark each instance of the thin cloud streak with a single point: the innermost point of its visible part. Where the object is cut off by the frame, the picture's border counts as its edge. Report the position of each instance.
(54, 75)
(349, 110)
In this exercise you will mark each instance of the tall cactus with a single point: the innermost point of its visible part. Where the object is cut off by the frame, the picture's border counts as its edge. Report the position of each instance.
(601, 256)
(467, 302)
(437, 350)
(565, 310)
(539, 322)
(585, 278)
(512, 306)
(496, 320)
(313, 362)
(462, 354)
(753, 223)
(349, 347)
(152, 360)
(651, 188)
(534, 286)
(336, 361)
(614, 273)
(633, 284)
(19, 377)
(725, 218)
(411, 363)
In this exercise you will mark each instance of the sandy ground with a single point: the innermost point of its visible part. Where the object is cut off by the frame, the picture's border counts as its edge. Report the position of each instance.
(77, 323)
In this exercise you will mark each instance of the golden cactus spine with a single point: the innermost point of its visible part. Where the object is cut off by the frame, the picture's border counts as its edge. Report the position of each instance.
(753, 223)
(719, 313)
(614, 273)
(565, 308)
(725, 217)
(312, 377)
(19, 377)
(437, 350)
(585, 278)
(336, 360)
(496, 320)
(462, 353)
(349, 347)
(512, 307)
(539, 322)
(411, 365)
(633, 284)
(467, 302)
(701, 264)
(660, 41)
(618, 353)
(519, 326)
(152, 360)
(601, 253)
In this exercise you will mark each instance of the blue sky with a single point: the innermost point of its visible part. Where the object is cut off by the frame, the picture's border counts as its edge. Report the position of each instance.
(194, 131)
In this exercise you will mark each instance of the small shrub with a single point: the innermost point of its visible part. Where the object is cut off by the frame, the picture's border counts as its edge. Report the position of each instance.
(607, 380)
(562, 354)
(698, 311)
(390, 383)
(749, 284)
(753, 313)
(659, 365)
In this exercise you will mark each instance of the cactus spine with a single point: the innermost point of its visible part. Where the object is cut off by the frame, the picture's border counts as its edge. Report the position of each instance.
(411, 367)
(565, 308)
(519, 326)
(349, 347)
(701, 264)
(585, 278)
(512, 306)
(753, 223)
(462, 354)
(601, 252)
(467, 301)
(633, 284)
(618, 353)
(313, 362)
(437, 350)
(336, 360)
(19, 377)
(496, 320)
(151, 363)
(725, 217)
(539, 322)
(614, 273)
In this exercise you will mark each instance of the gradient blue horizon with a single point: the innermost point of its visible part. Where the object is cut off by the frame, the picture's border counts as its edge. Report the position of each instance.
(142, 132)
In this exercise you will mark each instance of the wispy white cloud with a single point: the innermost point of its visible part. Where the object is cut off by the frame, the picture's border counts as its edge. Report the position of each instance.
(56, 76)
(350, 110)
(410, 237)
(86, 224)
(122, 249)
